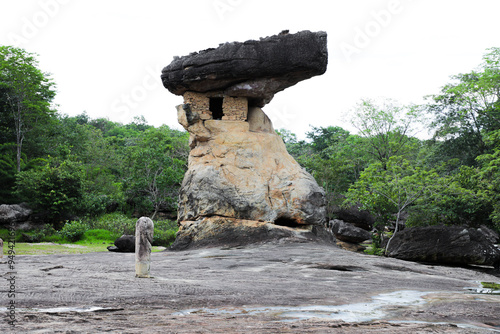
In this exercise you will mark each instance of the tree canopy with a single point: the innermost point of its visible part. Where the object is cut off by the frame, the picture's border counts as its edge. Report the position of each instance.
(26, 92)
(75, 165)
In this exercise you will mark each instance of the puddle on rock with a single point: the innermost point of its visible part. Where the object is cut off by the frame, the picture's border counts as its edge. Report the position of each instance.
(489, 288)
(358, 312)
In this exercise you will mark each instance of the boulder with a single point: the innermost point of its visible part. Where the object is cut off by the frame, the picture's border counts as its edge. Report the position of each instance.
(248, 175)
(355, 216)
(457, 245)
(232, 232)
(489, 234)
(348, 232)
(253, 69)
(124, 244)
(14, 213)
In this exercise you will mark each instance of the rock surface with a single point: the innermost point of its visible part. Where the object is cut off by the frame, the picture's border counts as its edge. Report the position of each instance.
(231, 232)
(253, 69)
(240, 178)
(234, 172)
(354, 215)
(489, 234)
(348, 232)
(125, 244)
(15, 213)
(211, 291)
(456, 245)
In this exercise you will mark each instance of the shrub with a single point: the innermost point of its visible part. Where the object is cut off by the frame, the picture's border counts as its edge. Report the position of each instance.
(163, 238)
(55, 188)
(115, 222)
(74, 230)
(45, 232)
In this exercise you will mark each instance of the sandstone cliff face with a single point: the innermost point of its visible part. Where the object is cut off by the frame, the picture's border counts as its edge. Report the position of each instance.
(238, 173)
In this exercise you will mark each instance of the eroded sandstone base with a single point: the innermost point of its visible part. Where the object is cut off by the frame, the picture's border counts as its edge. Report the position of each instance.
(232, 232)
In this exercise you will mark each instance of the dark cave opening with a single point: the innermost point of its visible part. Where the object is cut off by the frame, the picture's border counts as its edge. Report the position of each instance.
(283, 221)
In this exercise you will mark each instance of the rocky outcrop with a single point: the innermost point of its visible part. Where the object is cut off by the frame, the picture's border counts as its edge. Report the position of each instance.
(456, 245)
(241, 185)
(253, 69)
(489, 234)
(348, 232)
(230, 232)
(249, 175)
(14, 213)
(354, 215)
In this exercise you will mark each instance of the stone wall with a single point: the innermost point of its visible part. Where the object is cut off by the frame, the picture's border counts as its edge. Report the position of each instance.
(233, 108)
(200, 103)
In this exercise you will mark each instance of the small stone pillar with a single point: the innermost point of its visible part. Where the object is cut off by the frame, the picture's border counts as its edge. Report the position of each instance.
(1, 248)
(143, 239)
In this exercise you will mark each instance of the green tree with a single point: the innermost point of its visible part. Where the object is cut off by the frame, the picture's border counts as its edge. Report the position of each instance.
(323, 138)
(467, 109)
(389, 190)
(296, 148)
(7, 173)
(388, 128)
(55, 188)
(28, 93)
(488, 178)
(158, 162)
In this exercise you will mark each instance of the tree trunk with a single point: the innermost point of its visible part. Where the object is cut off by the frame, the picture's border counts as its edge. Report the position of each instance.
(395, 231)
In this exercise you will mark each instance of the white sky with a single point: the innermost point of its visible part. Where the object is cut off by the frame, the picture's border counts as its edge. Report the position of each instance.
(106, 56)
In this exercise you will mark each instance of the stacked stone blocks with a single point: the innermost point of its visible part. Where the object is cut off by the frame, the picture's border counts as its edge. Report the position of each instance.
(233, 108)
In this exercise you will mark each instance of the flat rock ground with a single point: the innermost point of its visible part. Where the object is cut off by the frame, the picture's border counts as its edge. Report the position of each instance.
(279, 287)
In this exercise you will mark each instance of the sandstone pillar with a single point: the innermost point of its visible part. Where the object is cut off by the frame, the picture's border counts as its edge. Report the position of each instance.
(143, 240)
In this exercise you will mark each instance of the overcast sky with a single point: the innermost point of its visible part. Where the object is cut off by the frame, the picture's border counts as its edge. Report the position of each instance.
(106, 56)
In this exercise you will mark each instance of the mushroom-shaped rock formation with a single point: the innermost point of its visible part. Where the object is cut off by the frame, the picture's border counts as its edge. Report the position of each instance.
(253, 69)
(240, 177)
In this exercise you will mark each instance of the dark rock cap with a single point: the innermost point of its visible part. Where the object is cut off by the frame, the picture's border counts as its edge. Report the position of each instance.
(253, 69)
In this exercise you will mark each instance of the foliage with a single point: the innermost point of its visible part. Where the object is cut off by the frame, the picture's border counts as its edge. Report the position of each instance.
(44, 233)
(7, 173)
(467, 110)
(104, 172)
(99, 236)
(488, 183)
(74, 230)
(55, 188)
(118, 224)
(388, 190)
(156, 169)
(323, 138)
(388, 128)
(27, 93)
(115, 222)
(163, 238)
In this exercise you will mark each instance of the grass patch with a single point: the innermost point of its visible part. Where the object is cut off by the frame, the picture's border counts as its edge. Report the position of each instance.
(23, 248)
(98, 236)
(79, 237)
(491, 285)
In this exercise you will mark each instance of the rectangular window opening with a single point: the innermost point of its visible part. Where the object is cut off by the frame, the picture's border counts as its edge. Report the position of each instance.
(216, 107)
